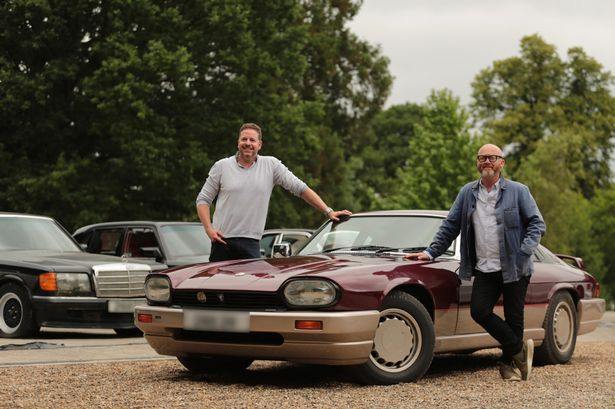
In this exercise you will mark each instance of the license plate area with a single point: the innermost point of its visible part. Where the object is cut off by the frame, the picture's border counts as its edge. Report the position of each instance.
(124, 306)
(212, 320)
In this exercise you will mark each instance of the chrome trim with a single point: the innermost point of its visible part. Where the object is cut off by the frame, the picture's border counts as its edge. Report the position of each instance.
(120, 279)
(480, 341)
(63, 298)
(83, 299)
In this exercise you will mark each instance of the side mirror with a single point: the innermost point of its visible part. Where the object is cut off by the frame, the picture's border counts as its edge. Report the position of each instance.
(83, 246)
(574, 261)
(151, 252)
(281, 250)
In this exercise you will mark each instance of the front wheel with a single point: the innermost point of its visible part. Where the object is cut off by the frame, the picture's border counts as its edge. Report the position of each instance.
(16, 318)
(403, 345)
(214, 365)
(560, 331)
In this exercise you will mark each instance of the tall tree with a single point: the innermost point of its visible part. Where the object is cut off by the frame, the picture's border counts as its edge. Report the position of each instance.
(426, 154)
(522, 100)
(116, 109)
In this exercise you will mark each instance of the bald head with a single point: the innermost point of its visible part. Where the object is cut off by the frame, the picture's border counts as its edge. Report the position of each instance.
(490, 149)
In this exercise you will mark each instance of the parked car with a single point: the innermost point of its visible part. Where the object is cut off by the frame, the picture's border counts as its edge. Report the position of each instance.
(46, 279)
(349, 298)
(295, 238)
(171, 243)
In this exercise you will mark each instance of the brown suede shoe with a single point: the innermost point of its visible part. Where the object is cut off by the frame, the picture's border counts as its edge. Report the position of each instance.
(523, 360)
(509, 372)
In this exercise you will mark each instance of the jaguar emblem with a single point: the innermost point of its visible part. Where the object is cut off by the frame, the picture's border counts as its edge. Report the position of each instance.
(201, 297)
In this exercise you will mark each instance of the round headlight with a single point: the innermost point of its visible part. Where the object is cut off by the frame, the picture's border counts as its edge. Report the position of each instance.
(158, 289)
(310, 293)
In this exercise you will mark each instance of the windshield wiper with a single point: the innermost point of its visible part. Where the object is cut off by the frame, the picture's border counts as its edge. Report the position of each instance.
(361, 248)
(419, 248)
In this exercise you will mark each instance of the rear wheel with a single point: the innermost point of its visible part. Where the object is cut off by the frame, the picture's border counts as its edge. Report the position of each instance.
(214, 365)
(560, 331)
(403, 345)
(16, 320)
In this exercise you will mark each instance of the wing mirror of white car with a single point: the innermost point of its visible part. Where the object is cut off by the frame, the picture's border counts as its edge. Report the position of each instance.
(281, 250)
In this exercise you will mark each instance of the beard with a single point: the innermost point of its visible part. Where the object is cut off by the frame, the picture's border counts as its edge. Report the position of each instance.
(487, 172)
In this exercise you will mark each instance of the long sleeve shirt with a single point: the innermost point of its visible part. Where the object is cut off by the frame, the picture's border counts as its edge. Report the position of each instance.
(243, 194)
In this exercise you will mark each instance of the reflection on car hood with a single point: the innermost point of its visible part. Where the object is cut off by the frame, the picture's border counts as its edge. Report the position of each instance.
(63, 261)
(269, 274)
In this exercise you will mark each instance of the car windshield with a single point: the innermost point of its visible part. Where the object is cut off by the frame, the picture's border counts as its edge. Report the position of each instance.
(30, 233)
(185, 240)
(374, 233)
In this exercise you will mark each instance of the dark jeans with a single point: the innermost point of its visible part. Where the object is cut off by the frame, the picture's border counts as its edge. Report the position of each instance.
(486, 291)
(236, 248)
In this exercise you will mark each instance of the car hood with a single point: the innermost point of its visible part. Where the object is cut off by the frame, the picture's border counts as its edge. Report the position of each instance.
(63, 261)
(269, 274)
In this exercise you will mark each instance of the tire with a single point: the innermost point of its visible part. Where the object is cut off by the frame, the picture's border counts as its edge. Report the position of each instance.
(128, 332)
(403, 345)
(16, 318)
(561, 330)
(214, 365)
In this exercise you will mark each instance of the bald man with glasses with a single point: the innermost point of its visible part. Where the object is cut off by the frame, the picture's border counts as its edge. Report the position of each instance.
(500, 227)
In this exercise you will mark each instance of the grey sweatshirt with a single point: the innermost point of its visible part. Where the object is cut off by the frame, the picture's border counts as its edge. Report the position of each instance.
(243, 194)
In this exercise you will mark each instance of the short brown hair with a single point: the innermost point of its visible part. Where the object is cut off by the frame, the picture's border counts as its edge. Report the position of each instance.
(250, 125)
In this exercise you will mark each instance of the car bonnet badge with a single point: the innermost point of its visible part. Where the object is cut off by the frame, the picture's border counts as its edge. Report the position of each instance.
(201, 297)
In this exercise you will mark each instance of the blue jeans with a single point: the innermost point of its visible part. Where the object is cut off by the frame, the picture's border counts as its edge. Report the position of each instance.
(236, 248)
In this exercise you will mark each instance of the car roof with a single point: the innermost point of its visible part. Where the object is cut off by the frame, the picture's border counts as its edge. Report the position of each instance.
(24, 215)
(437, 213)
(293, 230)
(133, 223)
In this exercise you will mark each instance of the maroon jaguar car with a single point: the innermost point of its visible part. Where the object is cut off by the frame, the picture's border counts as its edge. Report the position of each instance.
(349, 298)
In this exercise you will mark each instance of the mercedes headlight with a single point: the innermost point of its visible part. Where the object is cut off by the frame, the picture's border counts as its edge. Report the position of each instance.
(73, 284)
(310, 293)
(158, 289)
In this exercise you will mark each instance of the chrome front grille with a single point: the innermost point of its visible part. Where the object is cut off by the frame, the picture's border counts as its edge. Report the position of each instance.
(120, 280)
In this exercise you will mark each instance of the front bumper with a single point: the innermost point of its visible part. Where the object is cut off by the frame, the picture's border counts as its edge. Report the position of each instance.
(346, 338)
(590, 313)
(85, 312)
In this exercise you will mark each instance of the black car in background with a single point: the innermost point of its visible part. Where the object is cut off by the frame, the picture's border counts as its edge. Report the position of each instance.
(171, 243)
(46, 279)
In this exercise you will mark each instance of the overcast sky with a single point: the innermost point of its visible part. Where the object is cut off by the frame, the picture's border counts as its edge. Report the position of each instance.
(444, 44)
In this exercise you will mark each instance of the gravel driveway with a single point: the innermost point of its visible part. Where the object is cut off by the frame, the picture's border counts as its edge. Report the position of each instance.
(470, 381)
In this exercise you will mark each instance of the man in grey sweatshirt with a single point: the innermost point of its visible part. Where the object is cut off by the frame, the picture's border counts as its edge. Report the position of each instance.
(243, 184)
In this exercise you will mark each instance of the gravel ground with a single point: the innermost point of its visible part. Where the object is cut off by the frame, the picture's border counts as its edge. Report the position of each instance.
(588, 381)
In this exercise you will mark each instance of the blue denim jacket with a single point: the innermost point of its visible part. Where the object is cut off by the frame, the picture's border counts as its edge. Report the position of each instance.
(520, 228)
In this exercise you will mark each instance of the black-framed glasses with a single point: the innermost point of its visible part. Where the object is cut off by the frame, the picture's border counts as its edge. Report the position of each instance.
(490, 158)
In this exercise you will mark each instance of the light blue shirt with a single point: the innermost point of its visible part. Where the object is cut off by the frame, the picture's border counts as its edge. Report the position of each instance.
(487, 232)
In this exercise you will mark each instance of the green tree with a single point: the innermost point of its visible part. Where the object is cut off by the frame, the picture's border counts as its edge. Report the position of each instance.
(550, 172)
(427, 154)
(521, 100)
(117, 109)
(602, 212)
